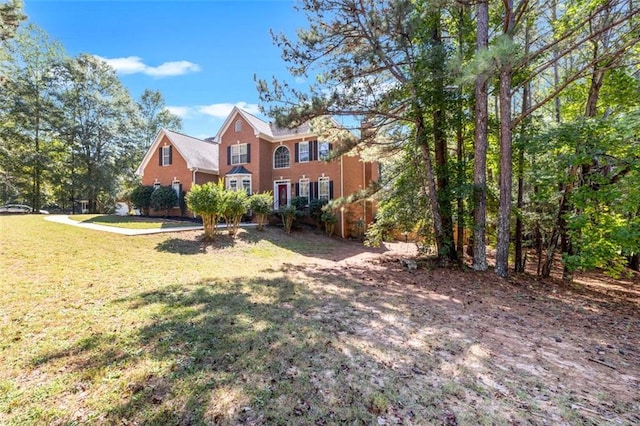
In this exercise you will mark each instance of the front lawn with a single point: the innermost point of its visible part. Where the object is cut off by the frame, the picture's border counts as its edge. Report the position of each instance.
(99, 328)
(132, 222)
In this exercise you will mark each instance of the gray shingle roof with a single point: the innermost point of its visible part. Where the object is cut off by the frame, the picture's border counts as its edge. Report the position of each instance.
(283, 131)
(196, 152)
(270, 129)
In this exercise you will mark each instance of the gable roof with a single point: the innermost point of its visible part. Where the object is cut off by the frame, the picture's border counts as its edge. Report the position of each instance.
(261, 128)
(197, 153)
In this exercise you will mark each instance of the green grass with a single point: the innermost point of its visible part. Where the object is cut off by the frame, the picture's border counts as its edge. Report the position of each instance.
(99, 328)
(131, 222)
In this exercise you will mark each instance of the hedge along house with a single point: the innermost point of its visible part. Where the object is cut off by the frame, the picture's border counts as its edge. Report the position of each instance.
(259, 157)
(179, 161)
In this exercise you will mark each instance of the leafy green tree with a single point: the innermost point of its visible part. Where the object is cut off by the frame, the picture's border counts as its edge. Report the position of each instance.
(141, 198)
(383, 61)
(234, 205)
(206, 201)
(11, 15)
(155, 116)
(29, 111)
(152, 116)
(261, 205)
(164, 198)
(98, 125)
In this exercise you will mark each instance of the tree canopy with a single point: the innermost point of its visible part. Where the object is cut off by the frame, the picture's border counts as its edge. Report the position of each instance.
(457, 98)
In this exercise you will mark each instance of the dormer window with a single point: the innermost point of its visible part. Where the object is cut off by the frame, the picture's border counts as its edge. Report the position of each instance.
(238, 126)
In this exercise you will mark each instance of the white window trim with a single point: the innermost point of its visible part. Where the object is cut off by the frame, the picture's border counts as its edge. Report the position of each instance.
(320, 156)
(328, 194)
(239, 179)
(242, 181)
(274, 157)
(239, 155)
(305, 143)
(166, 155)
(233, 179)
(237, 126)
(176, 187)
(300, 186)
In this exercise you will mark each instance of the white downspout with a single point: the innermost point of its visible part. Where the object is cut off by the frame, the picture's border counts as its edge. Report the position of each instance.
(193, 182)
(364, 187)
(342, 195)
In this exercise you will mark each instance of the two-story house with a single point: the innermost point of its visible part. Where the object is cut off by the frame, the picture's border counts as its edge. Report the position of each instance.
(258, 156)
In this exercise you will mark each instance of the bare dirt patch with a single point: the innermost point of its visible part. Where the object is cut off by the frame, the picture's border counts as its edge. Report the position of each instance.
(529, 350)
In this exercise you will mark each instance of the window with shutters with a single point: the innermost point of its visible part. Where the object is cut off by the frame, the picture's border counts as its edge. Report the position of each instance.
(303, 152)
(323, 150)
(166, 155)
(281, 157)
(323, 188)
(239, 154)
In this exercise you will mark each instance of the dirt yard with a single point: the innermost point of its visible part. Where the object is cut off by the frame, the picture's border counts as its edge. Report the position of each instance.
(555, 350)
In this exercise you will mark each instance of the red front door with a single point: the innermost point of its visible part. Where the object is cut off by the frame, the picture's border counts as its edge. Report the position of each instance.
(282, 195)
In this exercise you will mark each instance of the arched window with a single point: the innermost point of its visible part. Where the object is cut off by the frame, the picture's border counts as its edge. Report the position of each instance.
(281, 158)
(238, 126)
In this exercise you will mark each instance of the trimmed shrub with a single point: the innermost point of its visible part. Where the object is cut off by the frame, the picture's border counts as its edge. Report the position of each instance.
(164, 198)
(288, 214)
(260, 204)
(234, 205)
(206, 201)
(141, 198)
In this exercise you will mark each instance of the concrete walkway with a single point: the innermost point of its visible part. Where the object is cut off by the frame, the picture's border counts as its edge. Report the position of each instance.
(64, 219)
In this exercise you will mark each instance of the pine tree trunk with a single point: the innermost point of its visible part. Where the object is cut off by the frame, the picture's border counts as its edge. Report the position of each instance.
(460, 203)
(448, 249)
(504, 207)
(480, 147)
(519, 262)
(422, 140)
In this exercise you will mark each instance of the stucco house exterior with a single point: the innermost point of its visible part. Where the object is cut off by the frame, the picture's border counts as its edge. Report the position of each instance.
(258, 156)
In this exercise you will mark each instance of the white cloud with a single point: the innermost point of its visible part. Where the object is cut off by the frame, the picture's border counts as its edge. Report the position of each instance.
(218, 111)
(134, 65)
(180, 111)
(222, 110)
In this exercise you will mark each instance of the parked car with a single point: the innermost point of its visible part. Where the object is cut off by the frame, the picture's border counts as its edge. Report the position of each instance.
(19, 209)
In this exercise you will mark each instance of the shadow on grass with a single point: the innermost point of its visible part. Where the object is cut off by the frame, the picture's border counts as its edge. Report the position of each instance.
(307, 345)
(263, 351)
(191, 247)
(307, 242)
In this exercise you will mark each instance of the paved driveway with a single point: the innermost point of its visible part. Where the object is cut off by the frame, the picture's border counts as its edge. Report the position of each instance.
(64, 219)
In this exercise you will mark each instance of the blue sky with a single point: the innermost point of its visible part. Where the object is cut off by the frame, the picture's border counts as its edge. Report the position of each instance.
(202, 55)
